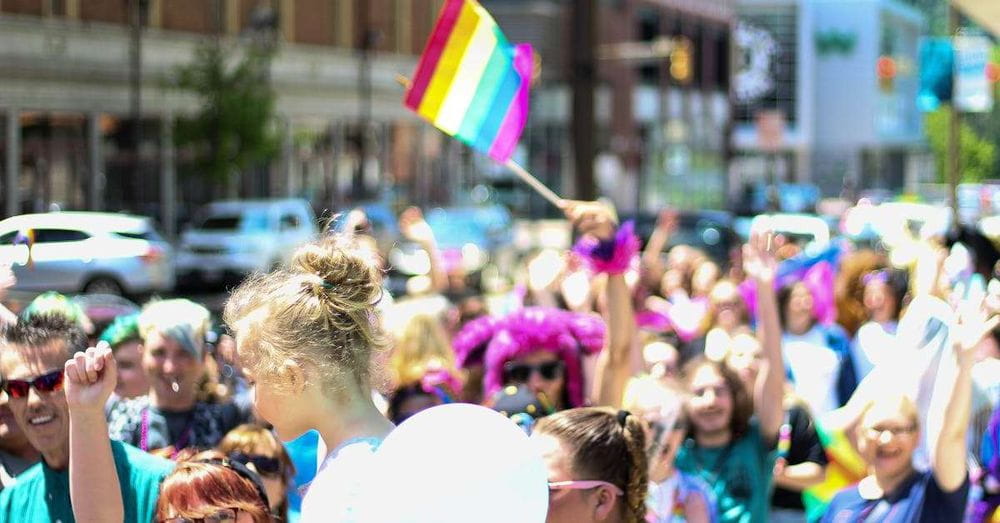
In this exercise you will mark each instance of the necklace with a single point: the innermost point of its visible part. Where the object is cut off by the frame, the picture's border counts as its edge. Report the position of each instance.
(179, 445)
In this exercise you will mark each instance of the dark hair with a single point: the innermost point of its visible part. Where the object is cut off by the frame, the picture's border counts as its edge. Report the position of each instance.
(607, 445)
(39, 330)
(784, 297)
(739, 424)
(400, 395)
(898, 285)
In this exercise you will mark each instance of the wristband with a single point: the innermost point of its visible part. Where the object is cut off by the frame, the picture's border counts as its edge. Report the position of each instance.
(611, 256)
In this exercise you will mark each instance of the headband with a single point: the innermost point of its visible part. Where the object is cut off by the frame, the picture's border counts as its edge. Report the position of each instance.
(243, 472)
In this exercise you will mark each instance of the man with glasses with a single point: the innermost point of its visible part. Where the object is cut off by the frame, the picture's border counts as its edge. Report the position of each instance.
(888, 436)
(32, 357)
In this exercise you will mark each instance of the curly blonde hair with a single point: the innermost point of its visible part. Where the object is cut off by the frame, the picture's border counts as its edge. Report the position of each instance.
(320, 312)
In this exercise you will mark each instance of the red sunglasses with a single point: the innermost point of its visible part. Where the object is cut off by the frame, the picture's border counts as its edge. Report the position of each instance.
(45, 383)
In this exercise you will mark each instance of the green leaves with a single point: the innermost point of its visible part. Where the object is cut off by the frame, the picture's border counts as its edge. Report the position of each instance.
(233, 130)
(977, 154)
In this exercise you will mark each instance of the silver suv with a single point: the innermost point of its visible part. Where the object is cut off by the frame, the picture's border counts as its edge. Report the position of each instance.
(231, 239)
(96, 253)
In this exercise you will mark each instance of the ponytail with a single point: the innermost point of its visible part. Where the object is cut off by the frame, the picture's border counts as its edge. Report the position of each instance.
(638, 476)
(607, 445)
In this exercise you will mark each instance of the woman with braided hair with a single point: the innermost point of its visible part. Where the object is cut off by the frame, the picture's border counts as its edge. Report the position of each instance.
(596, 460)
(305, 336)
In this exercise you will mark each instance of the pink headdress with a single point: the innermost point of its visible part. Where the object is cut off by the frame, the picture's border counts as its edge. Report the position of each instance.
(470, 342)
(566, 334)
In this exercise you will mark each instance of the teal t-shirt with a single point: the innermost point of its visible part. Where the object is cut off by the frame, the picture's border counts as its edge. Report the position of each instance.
(41, 494)
(740, 475)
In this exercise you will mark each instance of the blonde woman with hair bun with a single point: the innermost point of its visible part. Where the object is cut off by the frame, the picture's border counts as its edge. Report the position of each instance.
(305, 337)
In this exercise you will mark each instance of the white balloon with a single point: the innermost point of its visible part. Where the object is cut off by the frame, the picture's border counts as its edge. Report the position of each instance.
(458, 463)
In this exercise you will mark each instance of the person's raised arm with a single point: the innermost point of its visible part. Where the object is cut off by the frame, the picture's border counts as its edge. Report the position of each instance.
(761, 265)
(950, 465)
(652, 265)
(7, 280)
(94, 490)
(614, 363)
(415, 228)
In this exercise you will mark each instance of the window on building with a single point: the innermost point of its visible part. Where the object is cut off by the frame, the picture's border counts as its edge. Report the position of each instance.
(22, 7)
(289, 222)
(110, 11)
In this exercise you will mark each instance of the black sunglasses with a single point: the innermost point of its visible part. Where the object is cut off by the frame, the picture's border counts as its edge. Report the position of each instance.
(45, 383)
(515, 372)
(265, 466)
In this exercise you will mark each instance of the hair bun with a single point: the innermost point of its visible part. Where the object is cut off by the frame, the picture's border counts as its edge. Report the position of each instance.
(344, 272)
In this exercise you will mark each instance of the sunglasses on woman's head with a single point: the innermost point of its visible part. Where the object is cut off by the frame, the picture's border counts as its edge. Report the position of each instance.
(265, 466)
(515, 372)
(46, 383)
(583, 485)
(226, 515)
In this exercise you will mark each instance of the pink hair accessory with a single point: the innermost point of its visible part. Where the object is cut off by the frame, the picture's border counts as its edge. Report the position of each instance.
(652, 320)
(566, 334)
(470, 342)
(818, 279)
(435, 380)
(613, 256)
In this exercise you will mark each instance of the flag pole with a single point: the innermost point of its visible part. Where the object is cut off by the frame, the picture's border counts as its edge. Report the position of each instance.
(538, 186)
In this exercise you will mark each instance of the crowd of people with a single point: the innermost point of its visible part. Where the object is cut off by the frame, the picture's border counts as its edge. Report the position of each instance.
(784, 384)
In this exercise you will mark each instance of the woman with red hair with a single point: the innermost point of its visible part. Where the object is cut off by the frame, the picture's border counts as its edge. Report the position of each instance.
(212, 488)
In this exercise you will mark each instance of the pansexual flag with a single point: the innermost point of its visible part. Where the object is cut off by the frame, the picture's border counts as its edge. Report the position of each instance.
(471, 82)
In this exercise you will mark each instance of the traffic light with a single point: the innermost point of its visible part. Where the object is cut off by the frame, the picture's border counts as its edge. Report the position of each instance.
(681, 56)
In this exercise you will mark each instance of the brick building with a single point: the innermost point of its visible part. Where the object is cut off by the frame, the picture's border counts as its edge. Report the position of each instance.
(67, 99)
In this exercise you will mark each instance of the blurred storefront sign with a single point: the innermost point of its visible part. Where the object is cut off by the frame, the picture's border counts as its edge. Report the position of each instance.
(973, 91)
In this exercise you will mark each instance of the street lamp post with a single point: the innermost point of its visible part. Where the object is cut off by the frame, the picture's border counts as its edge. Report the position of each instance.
(263, 42)
(583, 34)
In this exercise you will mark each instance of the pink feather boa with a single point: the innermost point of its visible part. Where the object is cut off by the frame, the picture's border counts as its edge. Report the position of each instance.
(610, 256)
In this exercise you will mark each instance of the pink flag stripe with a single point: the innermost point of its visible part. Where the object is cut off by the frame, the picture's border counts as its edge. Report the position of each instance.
(517, 114)
(432, 53)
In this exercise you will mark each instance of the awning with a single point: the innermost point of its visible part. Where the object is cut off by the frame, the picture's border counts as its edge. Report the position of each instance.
(986, 13)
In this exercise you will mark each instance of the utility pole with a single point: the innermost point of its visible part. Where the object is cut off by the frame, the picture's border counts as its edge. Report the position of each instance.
(954, 122)
(583, 77)
(138, 7)
(365, 43)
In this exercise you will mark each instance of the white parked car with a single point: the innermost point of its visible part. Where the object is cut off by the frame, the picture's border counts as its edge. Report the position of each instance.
(96, 253)
(808, 230)
(231, 239)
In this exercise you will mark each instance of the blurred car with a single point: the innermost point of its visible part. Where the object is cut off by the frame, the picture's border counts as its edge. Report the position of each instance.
(808, 230)
(234, 238)
(893, 222)
(466, 236)
(90, 252)
(710, 231)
